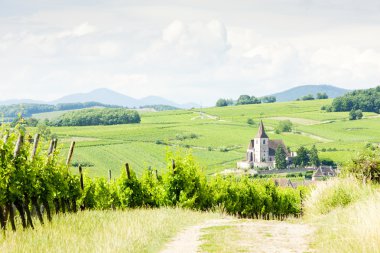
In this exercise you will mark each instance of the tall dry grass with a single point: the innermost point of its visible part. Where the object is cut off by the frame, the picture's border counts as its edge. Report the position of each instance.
(140, 230)
(337, 192)
(346, 216)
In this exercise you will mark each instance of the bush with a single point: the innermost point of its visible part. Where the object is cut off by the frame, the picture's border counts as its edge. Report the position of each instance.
(366, 166)
(284, 126)
(185, 183)
(250, 121)
(224, 102)
(160, 142)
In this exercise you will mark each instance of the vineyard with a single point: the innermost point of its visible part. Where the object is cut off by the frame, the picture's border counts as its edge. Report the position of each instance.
(220, 136)
(35, 182)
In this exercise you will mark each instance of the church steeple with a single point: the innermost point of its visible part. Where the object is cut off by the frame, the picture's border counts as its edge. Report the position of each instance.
(261, 133)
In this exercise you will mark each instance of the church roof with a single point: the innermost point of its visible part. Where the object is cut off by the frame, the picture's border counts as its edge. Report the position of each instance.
(261, 133)
(274, 144)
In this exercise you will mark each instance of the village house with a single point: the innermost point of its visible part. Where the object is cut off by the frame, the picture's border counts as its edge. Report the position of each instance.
(323, 172)
(261, 151)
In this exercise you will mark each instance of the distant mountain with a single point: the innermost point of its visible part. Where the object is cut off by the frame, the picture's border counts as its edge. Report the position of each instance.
(104, 96)
(107, 96)
(20, 101)
(300, 91)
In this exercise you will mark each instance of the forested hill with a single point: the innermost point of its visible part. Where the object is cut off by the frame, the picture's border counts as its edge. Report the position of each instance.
(27, 110)
(365, 100)
(300, 91)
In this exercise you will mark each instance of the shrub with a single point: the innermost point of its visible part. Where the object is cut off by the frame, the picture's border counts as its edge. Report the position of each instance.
(284, 126)
(250, 121)
(366, 166)
(185, 183)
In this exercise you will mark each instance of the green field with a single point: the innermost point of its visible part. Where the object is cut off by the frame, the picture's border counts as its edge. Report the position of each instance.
(109, 147)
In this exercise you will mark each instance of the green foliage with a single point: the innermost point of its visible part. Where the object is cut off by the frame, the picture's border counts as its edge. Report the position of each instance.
(307, 97)
(27, 110)
(30, 122)
(44, 131)
(250, 121)
(245, 100)
(268, 99)
(313, 155)
(322, 95)
(47, 179)
(284, 126)
(364, 100)
(245, 197)
(302, 158)
(327, 108)
(280, 158)
(355, 114)
(185, 183)
(224, 102)
(335, 193)
(91, 117)
(366, 166)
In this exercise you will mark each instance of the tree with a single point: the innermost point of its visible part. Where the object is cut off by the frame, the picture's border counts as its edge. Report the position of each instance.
(284, 126)
(221, 102)
(44, 131)
(250, 121)
(268, 99)
(314, 159)
(355, 114)
(322, 95)
(352, 115)
(359, 114)
(364, 100)
(308, 97)
(280, 158)
(302, 158)
(246, 99)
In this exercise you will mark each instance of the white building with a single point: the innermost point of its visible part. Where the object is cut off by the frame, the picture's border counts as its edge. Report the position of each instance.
(261, 151)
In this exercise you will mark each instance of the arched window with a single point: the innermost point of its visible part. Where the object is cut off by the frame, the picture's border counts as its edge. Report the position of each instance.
(263, 141)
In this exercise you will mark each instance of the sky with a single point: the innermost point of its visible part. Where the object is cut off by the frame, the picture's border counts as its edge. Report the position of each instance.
(187, 51)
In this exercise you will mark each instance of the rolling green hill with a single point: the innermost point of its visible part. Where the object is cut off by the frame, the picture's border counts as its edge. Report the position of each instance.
(214, 130)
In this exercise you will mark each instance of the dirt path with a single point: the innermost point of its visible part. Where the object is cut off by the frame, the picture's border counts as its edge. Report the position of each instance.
(253, 236)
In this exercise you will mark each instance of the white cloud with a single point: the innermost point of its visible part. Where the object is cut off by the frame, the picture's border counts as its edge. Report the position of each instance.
(197, 51)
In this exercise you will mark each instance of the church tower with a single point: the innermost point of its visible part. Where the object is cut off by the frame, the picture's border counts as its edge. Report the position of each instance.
(261, 146)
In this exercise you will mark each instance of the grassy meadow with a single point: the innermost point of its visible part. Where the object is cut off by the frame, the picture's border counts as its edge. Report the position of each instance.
(344, 213)
(138, 230)
(214, 129)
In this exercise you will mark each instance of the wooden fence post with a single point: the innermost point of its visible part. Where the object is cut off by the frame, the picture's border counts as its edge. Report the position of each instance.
(128, 171)
(51, 147)
(20, 141)
(35, 146)
(70, 155)
(82, 207)
(301, 196)
(173, 165)
(109, 176)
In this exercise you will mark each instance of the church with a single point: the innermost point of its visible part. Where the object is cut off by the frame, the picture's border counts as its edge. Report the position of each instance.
(261, 151)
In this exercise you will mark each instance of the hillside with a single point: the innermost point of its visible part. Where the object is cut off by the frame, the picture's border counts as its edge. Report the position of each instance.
(218, 137)
(300, 91)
